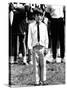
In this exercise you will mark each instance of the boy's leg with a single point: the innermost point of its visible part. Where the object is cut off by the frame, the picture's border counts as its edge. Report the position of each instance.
(42, 66)
(36, 66)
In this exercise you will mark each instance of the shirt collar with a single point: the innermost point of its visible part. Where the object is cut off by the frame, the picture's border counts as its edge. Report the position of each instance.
(36, 22)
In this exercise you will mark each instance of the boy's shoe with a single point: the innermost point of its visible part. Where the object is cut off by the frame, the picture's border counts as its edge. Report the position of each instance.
(37, 84)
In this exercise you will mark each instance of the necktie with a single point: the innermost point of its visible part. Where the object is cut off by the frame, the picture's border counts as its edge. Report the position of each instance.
(38, 34)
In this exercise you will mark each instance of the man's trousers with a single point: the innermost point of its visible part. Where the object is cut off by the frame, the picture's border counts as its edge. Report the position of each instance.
(58, 35)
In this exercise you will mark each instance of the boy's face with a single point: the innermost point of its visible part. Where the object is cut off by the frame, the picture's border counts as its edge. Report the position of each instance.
(38, 17)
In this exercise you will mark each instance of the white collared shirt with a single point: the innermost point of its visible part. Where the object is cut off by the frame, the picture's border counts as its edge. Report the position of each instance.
(57, 11)
(32, 35)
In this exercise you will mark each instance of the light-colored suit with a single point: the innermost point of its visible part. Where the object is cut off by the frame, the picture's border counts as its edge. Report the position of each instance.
(38, 49)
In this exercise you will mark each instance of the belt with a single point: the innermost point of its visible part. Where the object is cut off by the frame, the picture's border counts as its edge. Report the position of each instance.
(38, 47)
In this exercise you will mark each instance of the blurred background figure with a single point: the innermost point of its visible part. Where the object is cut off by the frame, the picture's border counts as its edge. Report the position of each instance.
(46, 21)
(56, 16)
(11, 17)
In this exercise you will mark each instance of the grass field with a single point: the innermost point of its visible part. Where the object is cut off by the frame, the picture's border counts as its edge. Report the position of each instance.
(22, 75)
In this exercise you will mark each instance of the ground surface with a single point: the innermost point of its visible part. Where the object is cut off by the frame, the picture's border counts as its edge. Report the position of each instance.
(22, 75)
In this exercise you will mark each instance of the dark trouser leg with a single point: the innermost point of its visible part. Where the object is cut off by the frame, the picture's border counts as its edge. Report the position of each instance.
(15, 47)
(49, 46)
(54, 45)
(62, 40)
(21, 47)
(26, 40)
(49, 34)
(54, 37)
(62, 48)
(29, 56)
(10, 42)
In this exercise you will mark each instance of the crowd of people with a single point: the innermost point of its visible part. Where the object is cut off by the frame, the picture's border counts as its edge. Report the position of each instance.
(34, 31)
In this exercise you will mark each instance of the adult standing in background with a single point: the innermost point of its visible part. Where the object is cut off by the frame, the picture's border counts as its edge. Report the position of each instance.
(15, 30)
(11, 18)
(57, 31)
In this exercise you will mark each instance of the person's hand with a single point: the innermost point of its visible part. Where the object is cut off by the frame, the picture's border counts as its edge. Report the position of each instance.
(45, 51)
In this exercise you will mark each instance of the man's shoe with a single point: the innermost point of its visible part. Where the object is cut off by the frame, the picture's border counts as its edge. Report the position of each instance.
(53, 61)
(48, 62)
(11, 60)
(62, 60)
(31, 62)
